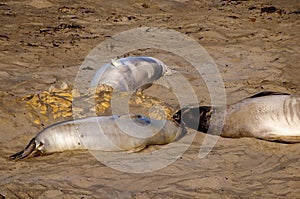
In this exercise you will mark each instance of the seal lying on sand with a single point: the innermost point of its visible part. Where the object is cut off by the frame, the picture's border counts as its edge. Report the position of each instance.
(130, 73)
(105, 133)
(267, 115)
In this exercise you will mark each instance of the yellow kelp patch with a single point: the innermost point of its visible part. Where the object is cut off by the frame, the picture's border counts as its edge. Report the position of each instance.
(57, 103)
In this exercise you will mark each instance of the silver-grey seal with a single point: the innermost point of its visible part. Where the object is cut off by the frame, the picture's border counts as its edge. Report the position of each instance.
(130, 73)
(267, 115)
(102, 133)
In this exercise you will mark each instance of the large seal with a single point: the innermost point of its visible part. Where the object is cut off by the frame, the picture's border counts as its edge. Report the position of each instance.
(102, 133)
(269, 116)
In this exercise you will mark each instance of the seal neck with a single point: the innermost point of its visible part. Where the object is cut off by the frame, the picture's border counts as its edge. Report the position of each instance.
(197, 118)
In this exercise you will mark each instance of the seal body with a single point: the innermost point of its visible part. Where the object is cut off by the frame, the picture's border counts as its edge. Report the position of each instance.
(268, 115)
(106, 133)
(273, 117)
(130, 73)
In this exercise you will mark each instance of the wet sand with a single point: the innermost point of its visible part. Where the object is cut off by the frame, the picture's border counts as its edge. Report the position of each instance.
(254, 44)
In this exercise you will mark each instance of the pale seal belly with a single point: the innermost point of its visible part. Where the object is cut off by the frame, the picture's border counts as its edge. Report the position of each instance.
(268, 115)
(104, 133)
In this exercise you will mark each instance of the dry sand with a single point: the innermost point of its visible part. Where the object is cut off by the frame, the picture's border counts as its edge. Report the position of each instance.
(44, 42)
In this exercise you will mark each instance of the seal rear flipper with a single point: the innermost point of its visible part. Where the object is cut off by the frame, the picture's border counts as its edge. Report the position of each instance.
(267, 93)
(30, 150)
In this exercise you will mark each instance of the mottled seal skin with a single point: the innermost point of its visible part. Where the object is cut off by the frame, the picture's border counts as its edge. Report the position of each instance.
(130, 73)
(104, 133)
(269, 116)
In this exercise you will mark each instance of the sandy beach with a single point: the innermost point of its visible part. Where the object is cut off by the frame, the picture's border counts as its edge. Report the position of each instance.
(254, 45)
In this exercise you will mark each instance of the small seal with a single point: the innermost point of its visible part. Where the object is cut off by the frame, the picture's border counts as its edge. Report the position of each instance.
(130, 73)
(267, 115)
(103, 133)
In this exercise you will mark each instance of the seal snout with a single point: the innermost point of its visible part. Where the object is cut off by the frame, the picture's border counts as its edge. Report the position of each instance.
(30, 150)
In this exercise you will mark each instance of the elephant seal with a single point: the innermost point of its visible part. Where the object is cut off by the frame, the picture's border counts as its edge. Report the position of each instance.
(130, 73)
(267, 115)
(102, 133)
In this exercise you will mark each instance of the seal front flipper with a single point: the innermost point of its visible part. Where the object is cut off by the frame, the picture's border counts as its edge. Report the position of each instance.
(30, 150)
(275, 137)
(137, 149)
(267, 93)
